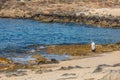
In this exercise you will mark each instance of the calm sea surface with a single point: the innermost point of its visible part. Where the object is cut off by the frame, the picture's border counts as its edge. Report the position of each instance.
(18, 33)
(21, 33)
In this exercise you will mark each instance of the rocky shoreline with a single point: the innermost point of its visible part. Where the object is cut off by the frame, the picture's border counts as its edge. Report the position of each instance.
(81, 12)
(72, 50)
(94, 20)
(77, 69)
(99, 21)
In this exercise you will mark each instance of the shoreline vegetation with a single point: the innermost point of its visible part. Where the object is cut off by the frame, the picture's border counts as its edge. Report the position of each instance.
(95, 13)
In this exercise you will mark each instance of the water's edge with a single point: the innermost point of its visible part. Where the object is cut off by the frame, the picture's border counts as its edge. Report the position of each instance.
(20, 39)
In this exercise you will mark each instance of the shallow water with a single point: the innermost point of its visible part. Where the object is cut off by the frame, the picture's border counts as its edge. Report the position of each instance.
(15, 34)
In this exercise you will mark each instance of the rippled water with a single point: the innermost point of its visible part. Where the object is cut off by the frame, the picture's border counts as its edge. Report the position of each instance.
(16, 34)
(21, 33)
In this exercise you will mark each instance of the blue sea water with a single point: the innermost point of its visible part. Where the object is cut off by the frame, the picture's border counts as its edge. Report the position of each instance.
(24, 32)
(16, 34)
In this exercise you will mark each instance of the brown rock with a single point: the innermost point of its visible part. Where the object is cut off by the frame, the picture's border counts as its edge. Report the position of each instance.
(39, 58)
(4, 61)
(32, 62)
(8, 67)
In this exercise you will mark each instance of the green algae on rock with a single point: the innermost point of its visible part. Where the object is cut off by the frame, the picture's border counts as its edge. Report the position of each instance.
(80, 50)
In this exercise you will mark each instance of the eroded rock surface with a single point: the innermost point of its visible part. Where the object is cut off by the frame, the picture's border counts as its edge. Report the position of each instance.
(92, 12)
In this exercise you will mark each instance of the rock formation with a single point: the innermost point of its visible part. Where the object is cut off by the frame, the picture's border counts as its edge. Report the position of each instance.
(80, 11)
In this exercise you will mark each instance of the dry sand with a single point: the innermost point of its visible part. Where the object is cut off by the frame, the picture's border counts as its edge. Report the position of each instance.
(101, 67)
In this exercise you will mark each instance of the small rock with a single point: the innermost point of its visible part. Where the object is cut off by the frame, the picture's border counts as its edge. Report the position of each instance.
(47, 70)
(63, 68)
(16, 73)
(78, 66)
(66, 68)
(54, 61)
(70, 67)
(105, 65)
(115, 65)
(32, 62)
(69, 74)
(39, 59)
(39, 72)
(98, 69)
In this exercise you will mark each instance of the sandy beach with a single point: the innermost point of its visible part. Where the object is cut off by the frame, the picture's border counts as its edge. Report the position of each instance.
(104, 66)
